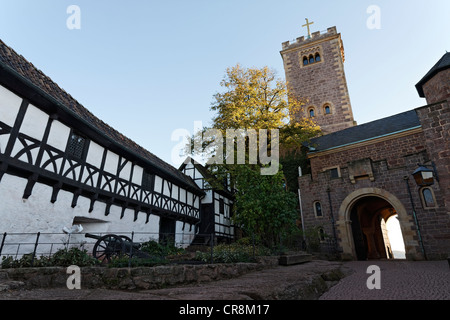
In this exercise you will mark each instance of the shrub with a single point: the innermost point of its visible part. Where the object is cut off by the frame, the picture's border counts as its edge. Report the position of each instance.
(232, 253)
(63, 258)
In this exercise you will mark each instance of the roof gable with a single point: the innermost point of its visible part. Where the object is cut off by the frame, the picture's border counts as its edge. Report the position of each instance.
(441, 65)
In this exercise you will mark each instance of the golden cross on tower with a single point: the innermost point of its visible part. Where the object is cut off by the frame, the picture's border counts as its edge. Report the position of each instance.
(307, 26)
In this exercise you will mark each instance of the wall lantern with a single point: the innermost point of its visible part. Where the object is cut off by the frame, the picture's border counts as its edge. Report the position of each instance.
(425, 176)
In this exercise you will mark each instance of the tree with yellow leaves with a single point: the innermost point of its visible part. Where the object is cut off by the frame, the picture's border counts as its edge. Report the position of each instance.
(255, 101)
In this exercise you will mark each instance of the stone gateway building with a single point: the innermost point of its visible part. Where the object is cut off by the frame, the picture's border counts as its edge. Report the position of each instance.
(362, 175)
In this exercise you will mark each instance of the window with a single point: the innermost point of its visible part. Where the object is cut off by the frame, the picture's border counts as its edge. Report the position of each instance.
(327, 109)
(147, 181)
(317, 57)
(428, 199)
(311, 59)
(318, 209)
(305, 61)
(221, 206)
(334, 173)
(76, 146)
(311, 113)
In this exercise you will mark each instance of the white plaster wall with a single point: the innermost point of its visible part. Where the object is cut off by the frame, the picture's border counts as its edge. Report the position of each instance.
(158, 184)
(9, 106)
(95, 154)
(126, 171)
(166, 190)
(59, 135)
(38, 214)
(183, 238)
(175, 192)
(208, 197)
(34, 122)
(112, 160)
(137, 175)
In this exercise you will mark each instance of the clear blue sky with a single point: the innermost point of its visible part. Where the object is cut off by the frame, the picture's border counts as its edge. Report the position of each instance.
(148, 68)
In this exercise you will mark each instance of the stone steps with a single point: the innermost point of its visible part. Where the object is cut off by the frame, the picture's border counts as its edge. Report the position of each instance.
(294, 258)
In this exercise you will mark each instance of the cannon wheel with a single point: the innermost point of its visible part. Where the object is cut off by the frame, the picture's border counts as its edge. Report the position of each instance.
(108, 246)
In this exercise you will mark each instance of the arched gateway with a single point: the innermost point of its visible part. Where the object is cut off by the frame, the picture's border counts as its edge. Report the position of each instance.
(359, 225)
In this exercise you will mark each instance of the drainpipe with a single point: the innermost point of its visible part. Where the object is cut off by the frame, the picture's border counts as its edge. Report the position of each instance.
(332, 219)
(406, 178)
(301, 210)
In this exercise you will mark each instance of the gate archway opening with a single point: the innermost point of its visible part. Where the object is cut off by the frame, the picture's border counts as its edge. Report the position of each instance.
(371, 239)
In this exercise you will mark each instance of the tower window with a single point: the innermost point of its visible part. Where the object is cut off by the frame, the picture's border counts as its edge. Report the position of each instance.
(317, 58)
(317, 209)
(311, 59)
(305, 61)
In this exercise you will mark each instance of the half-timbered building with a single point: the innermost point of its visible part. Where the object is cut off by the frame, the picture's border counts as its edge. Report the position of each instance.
(61, 166)
(216, 205)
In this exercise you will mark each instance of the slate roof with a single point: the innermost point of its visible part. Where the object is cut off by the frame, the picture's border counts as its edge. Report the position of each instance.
(26, 71)
(442, 64)
(367, 131)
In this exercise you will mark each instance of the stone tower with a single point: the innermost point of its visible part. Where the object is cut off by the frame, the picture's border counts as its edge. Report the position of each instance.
(314, 68)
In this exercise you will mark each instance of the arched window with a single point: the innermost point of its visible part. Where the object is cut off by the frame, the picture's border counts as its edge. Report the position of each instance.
(317, 58)
(327, 109)
(317, 209)
(311, 59)
(428, 199)
(311, 113)
(305, 60)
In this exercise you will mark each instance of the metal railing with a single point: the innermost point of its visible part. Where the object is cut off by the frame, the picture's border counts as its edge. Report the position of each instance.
(41, 244)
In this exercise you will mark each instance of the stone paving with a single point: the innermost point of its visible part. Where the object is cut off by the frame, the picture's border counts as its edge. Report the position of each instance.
(399, 280)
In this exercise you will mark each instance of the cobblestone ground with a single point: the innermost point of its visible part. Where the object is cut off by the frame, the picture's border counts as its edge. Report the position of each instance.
(400, 280)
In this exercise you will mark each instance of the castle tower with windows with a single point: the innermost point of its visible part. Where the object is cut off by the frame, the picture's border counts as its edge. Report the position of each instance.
(314, 67)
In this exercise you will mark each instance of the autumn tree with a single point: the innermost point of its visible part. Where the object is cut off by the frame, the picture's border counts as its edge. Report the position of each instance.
(255, 100)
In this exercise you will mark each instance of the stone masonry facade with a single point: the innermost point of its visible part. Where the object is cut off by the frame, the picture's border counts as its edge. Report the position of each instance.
(382, 167)
(321, 83)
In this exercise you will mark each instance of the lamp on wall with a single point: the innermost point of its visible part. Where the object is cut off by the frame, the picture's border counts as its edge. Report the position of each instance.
(424, 176)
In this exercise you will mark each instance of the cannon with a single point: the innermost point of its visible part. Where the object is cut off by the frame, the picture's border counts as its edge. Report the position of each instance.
(112, 245)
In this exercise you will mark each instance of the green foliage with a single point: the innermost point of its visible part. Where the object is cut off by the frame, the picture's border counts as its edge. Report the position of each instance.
(63, 257)
(125, 262)
(155, 248)
(233, 253)
(263, 206)
(73, 256)
(255, 99)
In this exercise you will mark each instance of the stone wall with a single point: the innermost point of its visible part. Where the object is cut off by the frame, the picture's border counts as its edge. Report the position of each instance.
(385, 170)
(141, 278)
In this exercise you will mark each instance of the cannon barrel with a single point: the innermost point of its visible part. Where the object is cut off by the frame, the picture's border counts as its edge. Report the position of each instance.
(93, 236)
